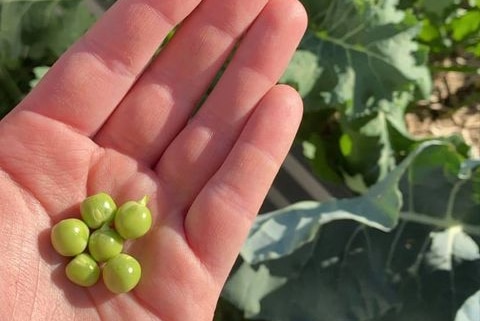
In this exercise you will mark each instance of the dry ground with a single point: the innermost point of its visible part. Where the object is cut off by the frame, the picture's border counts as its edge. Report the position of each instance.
(453, 108)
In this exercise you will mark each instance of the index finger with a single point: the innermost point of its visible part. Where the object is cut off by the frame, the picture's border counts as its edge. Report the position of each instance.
(85, 85)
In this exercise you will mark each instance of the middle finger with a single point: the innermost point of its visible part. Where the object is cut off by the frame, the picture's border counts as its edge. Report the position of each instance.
(158, 106)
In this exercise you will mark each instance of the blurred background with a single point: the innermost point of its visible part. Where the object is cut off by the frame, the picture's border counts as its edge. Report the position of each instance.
(375, 214)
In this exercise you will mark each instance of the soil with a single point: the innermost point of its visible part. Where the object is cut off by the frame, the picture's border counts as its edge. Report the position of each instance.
(453, 108)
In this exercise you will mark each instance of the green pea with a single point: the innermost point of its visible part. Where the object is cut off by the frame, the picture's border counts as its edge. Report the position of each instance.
(121, 273)
(83, 270)
(97, 210)
(133, 219)
(105, 244)
(69, 237)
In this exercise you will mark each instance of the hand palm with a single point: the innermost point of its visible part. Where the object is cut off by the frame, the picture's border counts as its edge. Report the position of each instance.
(88, 128)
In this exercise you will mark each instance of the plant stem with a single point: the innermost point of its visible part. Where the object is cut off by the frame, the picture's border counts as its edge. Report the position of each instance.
(439, 222)
(451, 200)
(393, 246)
(144, 200)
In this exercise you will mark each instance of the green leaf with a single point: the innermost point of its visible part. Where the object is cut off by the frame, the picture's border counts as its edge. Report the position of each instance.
(39, 72)
(365, 54)
(438, 7)
(475, 49)
(450, 245)
(30, 27)
(359, 59)
(282, 232)
(346, 144)
(50, 27)
(34, 33)
(348, 260)
(441, 184)
(465, 25)
(321, 156)
(375, 143)
(468, 168)
(329, 279)
(470, 310)
(11, 13)
(303, 72)
(430, 32)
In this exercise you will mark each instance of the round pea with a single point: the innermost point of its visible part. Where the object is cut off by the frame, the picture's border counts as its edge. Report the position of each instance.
(83, 270)
(121, 273)
(104, 244)
(69, 237)
(133, 219)
(97, 210)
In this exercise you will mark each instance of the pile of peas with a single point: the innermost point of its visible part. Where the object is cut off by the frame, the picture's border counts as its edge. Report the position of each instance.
(96, 242)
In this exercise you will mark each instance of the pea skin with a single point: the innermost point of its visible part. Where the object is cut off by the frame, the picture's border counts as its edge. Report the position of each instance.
(96, 242)
(133, 219)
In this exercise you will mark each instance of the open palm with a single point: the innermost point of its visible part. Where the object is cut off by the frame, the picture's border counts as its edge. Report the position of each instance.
(109, 118)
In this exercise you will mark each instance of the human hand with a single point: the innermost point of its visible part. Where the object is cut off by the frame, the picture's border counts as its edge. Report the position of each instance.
(102, 120)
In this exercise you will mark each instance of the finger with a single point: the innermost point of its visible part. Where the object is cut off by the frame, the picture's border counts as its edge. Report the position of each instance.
(91, 78)
(220, 217)
(258, 63)
(163, 98)
(214, 227)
